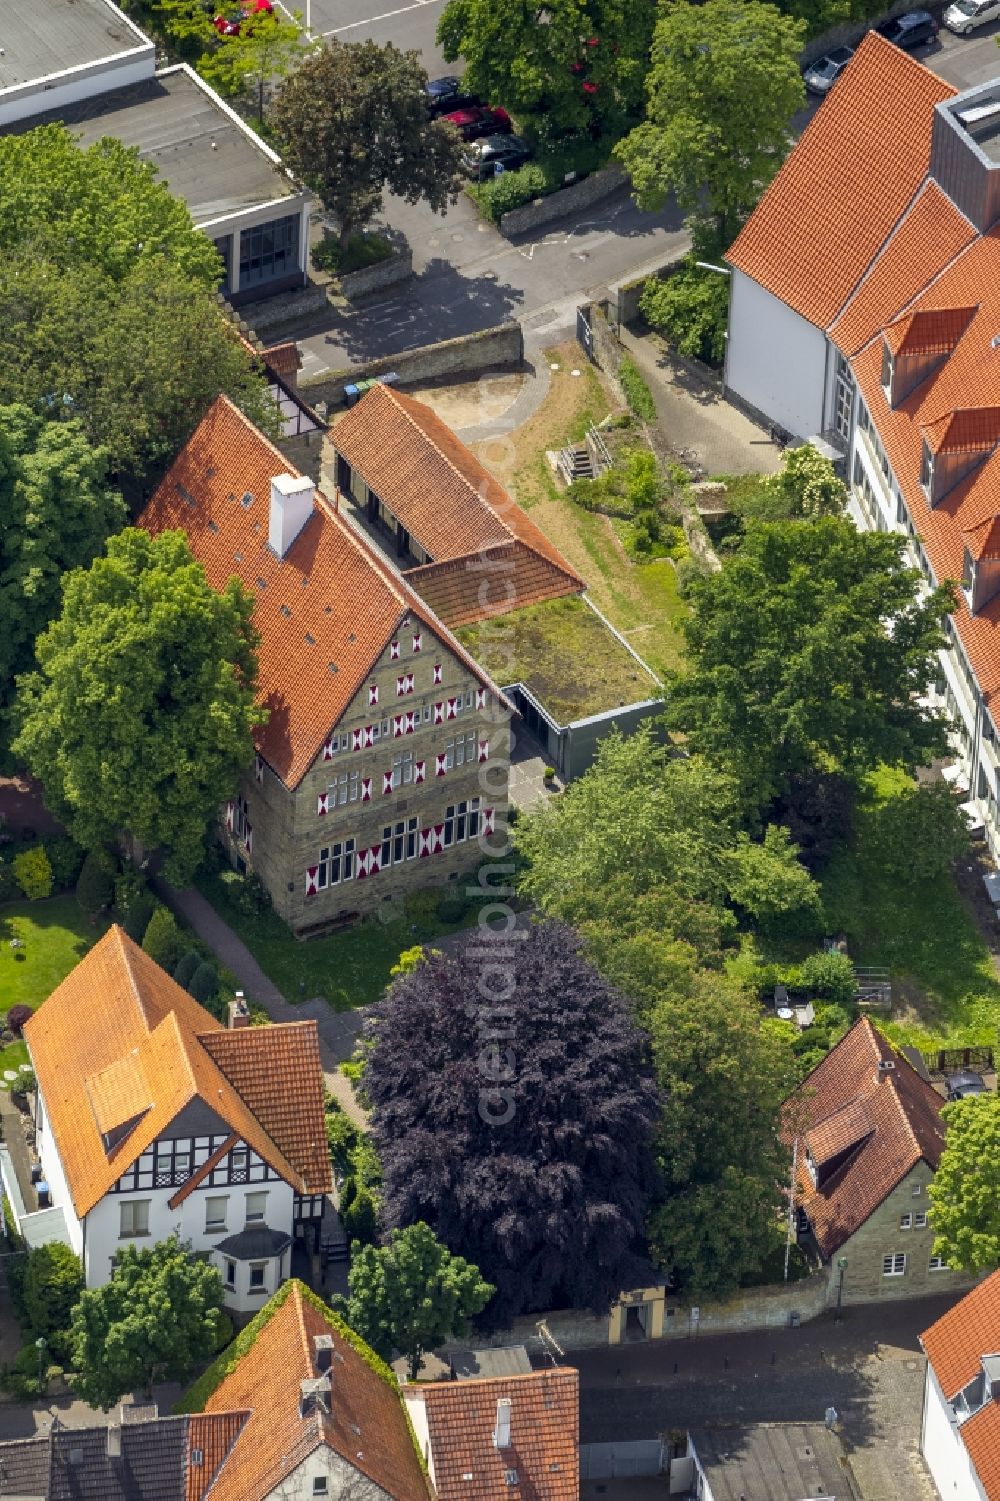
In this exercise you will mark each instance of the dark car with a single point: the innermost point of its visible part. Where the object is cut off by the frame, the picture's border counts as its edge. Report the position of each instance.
(476, 120)
(444, 94)
(502, 152)
(964, 1085)
(821, 75)
(912, 29)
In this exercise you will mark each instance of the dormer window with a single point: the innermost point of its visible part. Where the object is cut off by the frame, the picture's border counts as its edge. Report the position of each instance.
(887, 372)
(968, 574)
(927, 470)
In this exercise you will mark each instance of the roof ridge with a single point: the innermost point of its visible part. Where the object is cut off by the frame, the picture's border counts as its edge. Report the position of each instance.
(286, 466)
(125, 950)
(411, 419)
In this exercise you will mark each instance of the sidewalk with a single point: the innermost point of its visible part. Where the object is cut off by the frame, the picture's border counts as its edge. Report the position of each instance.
(338, 1030)
(694, 417)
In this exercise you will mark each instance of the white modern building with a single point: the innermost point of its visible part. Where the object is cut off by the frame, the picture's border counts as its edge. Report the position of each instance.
(960, 1430)
(85, 64)
(865, 314)
(155, 1120)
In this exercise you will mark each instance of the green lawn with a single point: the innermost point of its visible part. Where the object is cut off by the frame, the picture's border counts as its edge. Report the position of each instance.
(55, 935)
(946, 990)
(349, 968)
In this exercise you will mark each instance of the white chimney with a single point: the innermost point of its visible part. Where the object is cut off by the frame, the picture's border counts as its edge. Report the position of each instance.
(501, 1435)
(291, 507)
(114, 1441)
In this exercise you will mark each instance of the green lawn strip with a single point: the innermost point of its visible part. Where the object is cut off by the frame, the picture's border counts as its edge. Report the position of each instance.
(922, 932)
(55, 934)
(349, 968)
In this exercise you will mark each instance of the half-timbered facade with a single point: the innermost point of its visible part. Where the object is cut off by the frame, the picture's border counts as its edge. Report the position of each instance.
(154, 1120)
(383, 763)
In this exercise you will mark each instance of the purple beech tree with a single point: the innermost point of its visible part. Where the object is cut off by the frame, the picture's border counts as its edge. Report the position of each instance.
(513, 1110)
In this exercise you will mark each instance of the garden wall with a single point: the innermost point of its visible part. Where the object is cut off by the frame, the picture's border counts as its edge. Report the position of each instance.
(564, 201)
(285, 310)
(623, 296)
(362, 283)
(467, 355)
(849, 33)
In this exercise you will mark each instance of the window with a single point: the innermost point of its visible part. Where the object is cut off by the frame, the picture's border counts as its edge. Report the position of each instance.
(449, 826)
(268, 251)
(411, 838)
(135, 1217)
(461, 750)
(241, 818)
(319, 1485)
(843, 398)
(895, 1265)
(258, 1270)
(239, 1159)
(916, 1190)
(215, 1213)
(385, 851)
(905, 1221)
(938, 1264)
(256, 1208)
(920, 1222)
(346, 788)
(336, 863)
(402, 768)
(398, 842)
(182, 1165)
(230, 1272)
(927, 470)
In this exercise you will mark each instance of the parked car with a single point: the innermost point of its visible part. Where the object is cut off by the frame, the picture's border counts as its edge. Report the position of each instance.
(484, 156)
(965, 15)
(964, 1085)
(477, 120)
(444, 94)
(228, 23)
(821, 75)
(912, 29)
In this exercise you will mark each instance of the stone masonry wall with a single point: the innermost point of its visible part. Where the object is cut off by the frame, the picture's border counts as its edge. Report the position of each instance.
(289, 831)
(468, 355)
(395, 268)
(568, 200)
(881, 1235)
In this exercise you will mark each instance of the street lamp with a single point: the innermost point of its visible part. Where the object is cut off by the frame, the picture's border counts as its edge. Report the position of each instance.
(40, 1347)
(842, 1264)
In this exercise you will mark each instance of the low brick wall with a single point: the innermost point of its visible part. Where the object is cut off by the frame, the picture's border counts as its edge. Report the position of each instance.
(623, 296)
(396, 267)
(284, 310)
(467, 355)
(566, 201)
(849, 33)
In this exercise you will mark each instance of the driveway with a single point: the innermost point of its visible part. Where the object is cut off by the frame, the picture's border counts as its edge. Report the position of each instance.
(869, 1367)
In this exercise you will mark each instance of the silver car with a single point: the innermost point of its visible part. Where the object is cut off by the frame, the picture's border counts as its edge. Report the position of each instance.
(965, 15)
(821, 75)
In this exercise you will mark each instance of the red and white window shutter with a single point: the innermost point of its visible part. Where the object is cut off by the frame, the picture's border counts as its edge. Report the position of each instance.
(437, 839)
(397, 726)
(440, 765)
(361, 865)
(418, 640)
(404, 684)
(366, 789)
(393, 651)
(386, 783)
(328, 750)
(312, 880)
(452, 708)
(322, 804)
(438, 669)
(484, 750)
(488, 814)
(439, 713)
(419, 770)
(480, 698)
(372, 694)
(424, 842)
(410, 722)
(357, 739)
(369, 736)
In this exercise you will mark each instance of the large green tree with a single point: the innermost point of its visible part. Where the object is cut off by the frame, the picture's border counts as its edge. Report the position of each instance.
(156, 1320)
(412, 1294)
(266, 48)
(965, 1193)
(576, 65)
(352, 121)
(139, 718)
(812, 648)
(56, 512)
(722, 88)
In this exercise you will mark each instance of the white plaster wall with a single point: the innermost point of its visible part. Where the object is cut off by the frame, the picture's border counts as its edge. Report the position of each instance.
(343, 1481)
(775, 360)
(241, 1296)
(85, 82)
(55, 1177)
(942, 1447)
(417, 1409)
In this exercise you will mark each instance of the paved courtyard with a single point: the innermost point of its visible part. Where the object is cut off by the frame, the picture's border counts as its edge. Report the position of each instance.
(869, 1367)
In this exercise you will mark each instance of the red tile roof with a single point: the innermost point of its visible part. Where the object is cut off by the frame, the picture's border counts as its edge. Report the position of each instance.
(885, 1124)
(981, 1437)
(983, 541)
(967, 430)
(325, 612)
(956, 1343)
(446, 499)
(929, 330)
(903, 269)
(366, 1423)
(121, 1032)
(505, 578)
(854, 172)
(544, 1433)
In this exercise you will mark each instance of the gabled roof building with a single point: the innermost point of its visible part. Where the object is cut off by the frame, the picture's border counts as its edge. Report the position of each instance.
(865, 309)
(960, 1431)
(153, 1119)
(866, 1135)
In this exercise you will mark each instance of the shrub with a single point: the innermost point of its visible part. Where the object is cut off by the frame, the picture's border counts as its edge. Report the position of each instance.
(920, 833)
(690, 309)
(185, 968)
(138, 916)
(828, 976)
(342, 1138)
(33, 873)
(95, 883)
(251, 896)
(65, 858)
(420, 909)
(163, 940)
(223, 1330)
(204, 984)
(362, 250)
(130, 888)
(53, 1282)
(21, 1379)
(16, 1018)
(8, 884)
(637, 393)
(497, 196)
(452, 907)
(360, 1219)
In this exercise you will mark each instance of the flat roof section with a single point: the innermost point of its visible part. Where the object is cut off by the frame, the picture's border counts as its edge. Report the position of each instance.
(42, 37)
(202, 154)
(773, 1462)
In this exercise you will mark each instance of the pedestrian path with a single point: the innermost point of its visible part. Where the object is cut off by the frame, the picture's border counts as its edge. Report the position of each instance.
(338, 1031)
